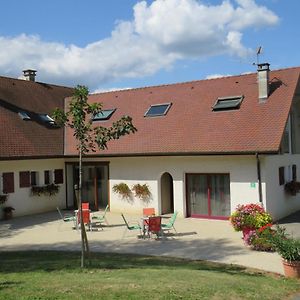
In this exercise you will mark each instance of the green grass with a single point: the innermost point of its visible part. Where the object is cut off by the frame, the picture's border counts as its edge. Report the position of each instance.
(57, 275)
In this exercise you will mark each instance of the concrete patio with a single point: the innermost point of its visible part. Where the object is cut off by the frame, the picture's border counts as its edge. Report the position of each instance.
(196, 239)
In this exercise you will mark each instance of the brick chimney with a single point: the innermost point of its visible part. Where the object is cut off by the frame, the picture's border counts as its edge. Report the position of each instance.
(29, 74)
(263, 71)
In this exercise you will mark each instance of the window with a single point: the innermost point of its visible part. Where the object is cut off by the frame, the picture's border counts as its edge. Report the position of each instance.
(104, 115)
(294, 172)
(281, 176)
(228, 103)
(47, 177)
(46, 119)
(58, 176)
(33, 178)
(8, 183)
(24, 178)
(158, 110)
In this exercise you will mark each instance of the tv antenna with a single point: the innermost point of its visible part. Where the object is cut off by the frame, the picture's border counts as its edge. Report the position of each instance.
(259, 50)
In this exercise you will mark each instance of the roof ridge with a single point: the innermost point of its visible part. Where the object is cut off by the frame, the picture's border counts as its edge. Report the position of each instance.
(33, 82)
(185, 82)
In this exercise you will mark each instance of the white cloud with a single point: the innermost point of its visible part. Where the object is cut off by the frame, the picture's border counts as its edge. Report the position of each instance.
(214, 76)
(113, 89)
(159, 34)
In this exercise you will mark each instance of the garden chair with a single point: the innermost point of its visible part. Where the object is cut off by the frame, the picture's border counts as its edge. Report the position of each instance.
(148, 211)
(131, 227)
(85, 205)
(101, 218)
(66, 217)
(168, 226)
(86, 217)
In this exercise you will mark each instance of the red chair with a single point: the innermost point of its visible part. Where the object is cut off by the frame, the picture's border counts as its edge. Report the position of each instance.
(85, 205)
(149, 211)
(86, 217)
(154, 226)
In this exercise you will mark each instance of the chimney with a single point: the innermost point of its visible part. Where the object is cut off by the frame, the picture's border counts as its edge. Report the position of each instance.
(263, 71)
(29, 74)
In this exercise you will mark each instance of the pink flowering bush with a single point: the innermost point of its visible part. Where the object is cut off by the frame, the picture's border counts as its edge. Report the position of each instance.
(259, 239)
(250, 216)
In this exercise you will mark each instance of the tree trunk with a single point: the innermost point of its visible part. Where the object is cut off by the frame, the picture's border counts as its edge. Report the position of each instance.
(84, 241)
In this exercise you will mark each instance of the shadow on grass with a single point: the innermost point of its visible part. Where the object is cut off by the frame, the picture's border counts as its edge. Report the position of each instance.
(51, 261)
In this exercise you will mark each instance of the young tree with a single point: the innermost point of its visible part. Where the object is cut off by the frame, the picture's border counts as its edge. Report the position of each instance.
(79, 117)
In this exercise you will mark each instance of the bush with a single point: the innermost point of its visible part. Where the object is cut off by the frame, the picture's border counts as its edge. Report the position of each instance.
(287, 247)
(258, 239)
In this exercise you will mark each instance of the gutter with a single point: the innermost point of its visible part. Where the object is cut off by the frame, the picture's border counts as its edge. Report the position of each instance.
(259, 179)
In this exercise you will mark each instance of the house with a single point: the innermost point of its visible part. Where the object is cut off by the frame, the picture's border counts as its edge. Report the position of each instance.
(31, 147)
(202, 147)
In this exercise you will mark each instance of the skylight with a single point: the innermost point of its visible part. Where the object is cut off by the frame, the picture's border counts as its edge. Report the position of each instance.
(24, 116)
(46, 119)
(228, 103)
(158, 110)
(104, 115)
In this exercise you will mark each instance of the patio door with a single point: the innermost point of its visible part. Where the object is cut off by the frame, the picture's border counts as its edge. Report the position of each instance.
(94, 185)
(208, 195)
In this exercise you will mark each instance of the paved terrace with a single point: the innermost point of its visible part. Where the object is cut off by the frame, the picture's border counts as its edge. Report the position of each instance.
(195, 239)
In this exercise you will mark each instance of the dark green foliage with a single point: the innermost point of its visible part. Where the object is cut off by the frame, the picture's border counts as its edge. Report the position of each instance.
(287, 247)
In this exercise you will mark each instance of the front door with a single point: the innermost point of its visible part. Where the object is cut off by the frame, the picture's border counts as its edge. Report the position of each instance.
(208, 195)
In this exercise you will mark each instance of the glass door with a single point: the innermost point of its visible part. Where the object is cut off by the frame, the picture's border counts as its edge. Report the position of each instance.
(94, 185)
(197, 191)
(208, 195)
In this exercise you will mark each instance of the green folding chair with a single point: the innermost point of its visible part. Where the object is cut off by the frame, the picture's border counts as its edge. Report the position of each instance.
(101, 218)
(170, 225)
(131, 227)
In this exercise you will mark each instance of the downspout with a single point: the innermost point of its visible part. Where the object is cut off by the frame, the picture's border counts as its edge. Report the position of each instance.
(259, 180)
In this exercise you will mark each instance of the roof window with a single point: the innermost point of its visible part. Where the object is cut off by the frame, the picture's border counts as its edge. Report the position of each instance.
(158, 110)
(228, 103)
(46, 119)
(24, 116)
(105, 114)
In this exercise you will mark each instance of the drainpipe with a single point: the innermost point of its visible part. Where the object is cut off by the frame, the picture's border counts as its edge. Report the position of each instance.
(259, 180)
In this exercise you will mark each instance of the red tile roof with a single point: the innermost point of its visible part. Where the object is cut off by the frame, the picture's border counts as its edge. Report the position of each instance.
(191, 127)
(25, 139)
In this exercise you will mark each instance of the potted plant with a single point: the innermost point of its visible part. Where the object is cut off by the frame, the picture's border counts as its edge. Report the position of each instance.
(258, 239)
(249, 217)
(48, 190)
(289, 250)
(122, 189)
(8, 212)
(3, 198)
(292, 187)
(141, 191)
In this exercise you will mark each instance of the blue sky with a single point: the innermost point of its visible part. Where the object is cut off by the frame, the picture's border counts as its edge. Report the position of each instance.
(108, 44)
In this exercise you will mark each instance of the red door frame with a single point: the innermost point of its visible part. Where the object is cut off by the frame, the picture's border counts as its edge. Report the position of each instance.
(209, 216)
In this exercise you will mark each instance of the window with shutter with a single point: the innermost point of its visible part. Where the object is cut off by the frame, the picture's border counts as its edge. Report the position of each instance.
(24, 177)
(47, 177)
(33, 178)
(294, 172)
(8, 183)
(58, 176)
(281, 176)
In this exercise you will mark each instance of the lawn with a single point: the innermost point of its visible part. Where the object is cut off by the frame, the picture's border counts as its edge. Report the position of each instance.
(57, 275)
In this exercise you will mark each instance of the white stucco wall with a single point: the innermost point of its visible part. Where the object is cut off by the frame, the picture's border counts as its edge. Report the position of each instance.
(280, 203)
(21, 200)
(242, 171)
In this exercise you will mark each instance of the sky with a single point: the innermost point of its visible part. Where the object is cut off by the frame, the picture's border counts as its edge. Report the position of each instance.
(117, 44)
